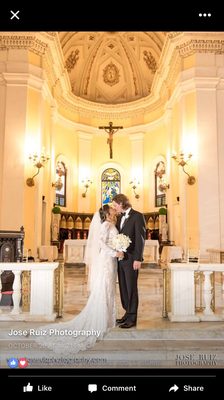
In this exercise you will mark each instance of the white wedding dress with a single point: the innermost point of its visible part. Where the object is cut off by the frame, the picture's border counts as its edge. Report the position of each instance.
(98, 316)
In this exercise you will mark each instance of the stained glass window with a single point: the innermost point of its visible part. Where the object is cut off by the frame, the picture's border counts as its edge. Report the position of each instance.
(160, 193)
(110, 184)
(60, 184)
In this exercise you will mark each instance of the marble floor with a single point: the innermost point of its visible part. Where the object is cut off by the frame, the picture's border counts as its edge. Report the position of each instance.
(150, 294)
(154, 343)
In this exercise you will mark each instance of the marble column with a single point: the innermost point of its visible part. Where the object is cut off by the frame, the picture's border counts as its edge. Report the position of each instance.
(13, 96)
(84, 156)
(137, 162)
(210, 125)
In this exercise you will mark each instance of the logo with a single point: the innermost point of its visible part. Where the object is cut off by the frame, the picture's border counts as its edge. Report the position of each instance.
(92, 388)
(28, 388)
(12, 362)
(23, 363)
(174, 388)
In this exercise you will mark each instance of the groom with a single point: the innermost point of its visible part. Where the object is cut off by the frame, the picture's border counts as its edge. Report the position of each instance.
(131, 223)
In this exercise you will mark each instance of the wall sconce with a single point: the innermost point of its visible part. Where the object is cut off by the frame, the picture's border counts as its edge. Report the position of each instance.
(182, 161)
(134, 185)
(86, 183)
(38, 162)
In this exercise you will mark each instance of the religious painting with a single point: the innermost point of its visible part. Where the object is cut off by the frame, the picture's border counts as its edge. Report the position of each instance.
(60, 184)
(160, 194)
(110, 185)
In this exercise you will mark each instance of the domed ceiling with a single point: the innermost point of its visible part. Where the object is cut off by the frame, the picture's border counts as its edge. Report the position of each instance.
(111, 67)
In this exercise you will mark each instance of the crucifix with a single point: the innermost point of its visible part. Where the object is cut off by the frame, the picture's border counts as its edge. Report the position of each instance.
(110, 130)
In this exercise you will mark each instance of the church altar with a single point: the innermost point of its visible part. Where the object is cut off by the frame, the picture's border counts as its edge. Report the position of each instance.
(171, 253)
(48, 253)
(151, 251)
(74, 251)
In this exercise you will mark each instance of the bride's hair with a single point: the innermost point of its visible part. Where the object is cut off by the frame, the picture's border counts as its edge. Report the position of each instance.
(123, 200)
(104, 211)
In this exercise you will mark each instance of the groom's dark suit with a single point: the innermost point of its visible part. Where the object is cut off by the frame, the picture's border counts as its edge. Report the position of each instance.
(134, 227)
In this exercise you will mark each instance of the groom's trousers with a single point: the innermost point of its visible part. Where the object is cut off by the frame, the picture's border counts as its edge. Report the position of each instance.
(127, 278)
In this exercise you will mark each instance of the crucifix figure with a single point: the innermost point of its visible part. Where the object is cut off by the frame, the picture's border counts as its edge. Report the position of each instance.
(110, 130)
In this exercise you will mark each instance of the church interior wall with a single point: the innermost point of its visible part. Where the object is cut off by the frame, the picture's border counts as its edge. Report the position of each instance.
(35, 59)
(100, 158)
(187, 98)
(66, 143)
(2, 136)
(220, 129)
(38, 137)
(208, 167)
(155, 144)
(188, 62)
(189, 145)
(181, 197)
(13, 128)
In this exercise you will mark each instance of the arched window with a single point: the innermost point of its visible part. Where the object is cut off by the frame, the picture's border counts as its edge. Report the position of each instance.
(60, 184)
(110, 184)
(160, 191)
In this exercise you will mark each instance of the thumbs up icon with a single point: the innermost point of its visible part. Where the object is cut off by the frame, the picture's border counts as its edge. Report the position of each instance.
(28, 388)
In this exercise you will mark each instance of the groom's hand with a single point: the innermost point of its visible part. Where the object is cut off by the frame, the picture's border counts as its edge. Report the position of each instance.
(136, 264)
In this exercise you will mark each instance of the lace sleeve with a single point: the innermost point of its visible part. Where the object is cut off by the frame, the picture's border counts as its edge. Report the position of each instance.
(105, 238)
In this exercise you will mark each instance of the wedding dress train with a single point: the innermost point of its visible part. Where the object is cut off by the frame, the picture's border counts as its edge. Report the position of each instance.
(98, 316)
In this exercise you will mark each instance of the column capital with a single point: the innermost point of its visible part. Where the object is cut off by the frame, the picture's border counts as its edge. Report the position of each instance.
(136, 136)
(23, 79)
(85, 135)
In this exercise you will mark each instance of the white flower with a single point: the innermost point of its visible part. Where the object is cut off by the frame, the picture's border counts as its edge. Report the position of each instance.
(120, 242)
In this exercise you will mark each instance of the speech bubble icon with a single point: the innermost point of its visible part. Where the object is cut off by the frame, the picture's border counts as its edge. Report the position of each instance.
(92, 388)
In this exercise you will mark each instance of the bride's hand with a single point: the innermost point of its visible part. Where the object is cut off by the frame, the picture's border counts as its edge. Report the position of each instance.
(120, 254)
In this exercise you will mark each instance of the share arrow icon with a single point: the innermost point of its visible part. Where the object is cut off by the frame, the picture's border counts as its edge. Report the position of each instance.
(174, 388)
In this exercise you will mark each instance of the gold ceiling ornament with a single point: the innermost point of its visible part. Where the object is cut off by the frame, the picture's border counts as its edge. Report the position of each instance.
(150, 61)
(72, 60)
(111, 74)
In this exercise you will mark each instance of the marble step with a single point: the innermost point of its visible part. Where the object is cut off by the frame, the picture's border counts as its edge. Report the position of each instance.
(177, 345)
(158, 330)
(120, 354)
(197, 331)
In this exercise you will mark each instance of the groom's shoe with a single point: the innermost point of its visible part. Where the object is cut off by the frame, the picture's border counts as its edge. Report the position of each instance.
(127, 325)
(121, 320)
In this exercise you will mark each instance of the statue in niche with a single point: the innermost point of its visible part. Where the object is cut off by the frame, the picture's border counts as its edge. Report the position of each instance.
(164, 232)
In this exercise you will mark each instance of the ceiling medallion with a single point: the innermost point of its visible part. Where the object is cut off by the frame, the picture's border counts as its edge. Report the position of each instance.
(111, 74)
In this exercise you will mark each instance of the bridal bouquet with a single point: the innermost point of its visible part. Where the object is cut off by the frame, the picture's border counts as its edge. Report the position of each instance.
(121, 242)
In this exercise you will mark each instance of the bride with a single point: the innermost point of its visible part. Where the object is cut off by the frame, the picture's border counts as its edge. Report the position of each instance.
(98, 316)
